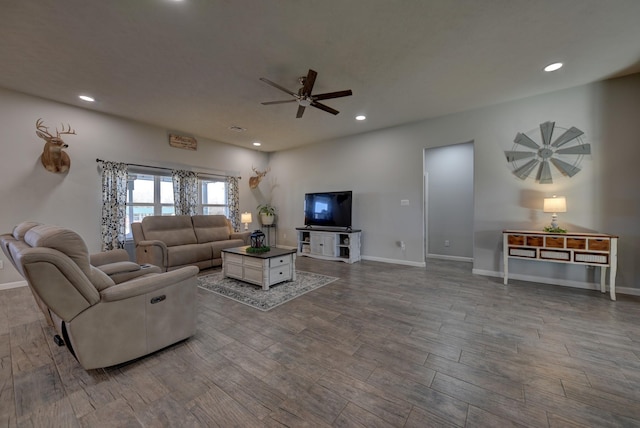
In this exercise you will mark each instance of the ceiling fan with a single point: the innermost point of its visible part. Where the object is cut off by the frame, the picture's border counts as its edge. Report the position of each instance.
(304, 96)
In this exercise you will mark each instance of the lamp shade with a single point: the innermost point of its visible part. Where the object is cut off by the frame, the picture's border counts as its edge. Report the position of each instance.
(555, 205)
(245, 218)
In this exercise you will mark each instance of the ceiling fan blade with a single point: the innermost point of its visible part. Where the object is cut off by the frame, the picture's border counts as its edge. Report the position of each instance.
(583, 149)
(324, 107)
(546, 130)
(275, 85)
(329, 95)
(565, 168)
(514, 156)
(523, 140)
(277, 102)
(524, 171)
(568, 135)
(544, 173)
(309, 81)
(300, 111)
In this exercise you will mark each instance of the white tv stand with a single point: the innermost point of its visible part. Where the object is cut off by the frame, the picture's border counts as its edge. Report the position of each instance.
(338, 244)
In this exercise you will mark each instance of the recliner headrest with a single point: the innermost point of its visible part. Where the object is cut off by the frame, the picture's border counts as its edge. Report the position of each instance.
(20, 230)
(62, 239)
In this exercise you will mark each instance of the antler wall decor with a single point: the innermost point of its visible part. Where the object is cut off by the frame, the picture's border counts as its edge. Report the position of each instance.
(53, 158)
(254, 181)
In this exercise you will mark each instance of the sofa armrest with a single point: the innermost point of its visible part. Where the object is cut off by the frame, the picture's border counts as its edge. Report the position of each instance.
(241, 235)
(148, 284)
(152, 252)
(108, 257)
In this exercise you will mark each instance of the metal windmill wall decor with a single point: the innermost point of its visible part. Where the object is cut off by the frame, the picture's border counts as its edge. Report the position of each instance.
(565, 152)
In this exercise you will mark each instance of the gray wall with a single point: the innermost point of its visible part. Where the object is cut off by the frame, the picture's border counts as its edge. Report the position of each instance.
(449, 171)
(29, 192)
(384, 167)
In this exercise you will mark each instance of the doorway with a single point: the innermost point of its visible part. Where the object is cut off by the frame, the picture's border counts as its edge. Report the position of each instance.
(449, 204)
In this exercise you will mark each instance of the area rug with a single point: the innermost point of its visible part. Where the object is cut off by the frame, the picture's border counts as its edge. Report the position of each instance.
(256, 297)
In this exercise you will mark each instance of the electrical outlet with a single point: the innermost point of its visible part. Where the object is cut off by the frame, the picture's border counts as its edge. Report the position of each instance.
(446, 243)
(402, 245)
(404, 202)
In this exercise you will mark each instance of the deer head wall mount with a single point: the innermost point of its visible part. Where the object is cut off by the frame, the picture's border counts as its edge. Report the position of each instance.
(53, 158)
(254, 181)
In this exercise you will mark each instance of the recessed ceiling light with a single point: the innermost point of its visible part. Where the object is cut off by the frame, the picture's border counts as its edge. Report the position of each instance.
(257, 143)
(86, 98)
(361, 117)
(553, 67)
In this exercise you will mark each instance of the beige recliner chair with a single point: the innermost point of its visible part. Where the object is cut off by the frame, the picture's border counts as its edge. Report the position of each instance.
(107, 309)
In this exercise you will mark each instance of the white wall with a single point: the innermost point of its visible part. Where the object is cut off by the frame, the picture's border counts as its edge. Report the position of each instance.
(29, 192)
(385, 167)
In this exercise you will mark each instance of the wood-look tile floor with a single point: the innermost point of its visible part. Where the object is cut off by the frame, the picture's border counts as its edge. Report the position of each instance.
(384, 346)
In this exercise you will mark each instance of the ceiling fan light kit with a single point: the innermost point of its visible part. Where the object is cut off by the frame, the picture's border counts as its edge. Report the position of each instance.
(304, 96)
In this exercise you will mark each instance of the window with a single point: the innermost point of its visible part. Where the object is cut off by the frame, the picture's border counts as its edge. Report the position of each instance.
(151, 194)
(213, 197)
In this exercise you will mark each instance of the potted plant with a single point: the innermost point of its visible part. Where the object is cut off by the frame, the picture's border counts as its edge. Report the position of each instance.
(267, 213)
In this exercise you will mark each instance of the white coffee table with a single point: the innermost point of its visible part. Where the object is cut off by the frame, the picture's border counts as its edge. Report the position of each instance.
(263, 269)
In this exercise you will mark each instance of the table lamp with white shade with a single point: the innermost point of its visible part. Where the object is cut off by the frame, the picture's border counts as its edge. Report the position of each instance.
(555, 205)
(246, 219)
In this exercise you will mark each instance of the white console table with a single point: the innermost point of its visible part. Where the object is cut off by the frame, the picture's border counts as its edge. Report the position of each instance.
(593, 249)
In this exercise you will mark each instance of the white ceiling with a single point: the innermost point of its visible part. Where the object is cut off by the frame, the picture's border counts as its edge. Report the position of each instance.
(194, 66)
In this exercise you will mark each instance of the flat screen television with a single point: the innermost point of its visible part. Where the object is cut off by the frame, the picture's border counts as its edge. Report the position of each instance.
(328, 209)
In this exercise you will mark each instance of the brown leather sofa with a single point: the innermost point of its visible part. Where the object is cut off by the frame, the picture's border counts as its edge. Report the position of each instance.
(172, 242)
(108, 313)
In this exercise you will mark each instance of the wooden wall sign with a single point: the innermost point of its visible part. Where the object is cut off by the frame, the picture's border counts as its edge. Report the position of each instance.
(182, 142)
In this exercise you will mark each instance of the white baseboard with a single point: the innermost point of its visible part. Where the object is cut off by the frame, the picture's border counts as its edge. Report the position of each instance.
(394, 261)
(628, 290)
(453, 258)
(9, 285)
(375, 259)
(554, 281)
(416, 264)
